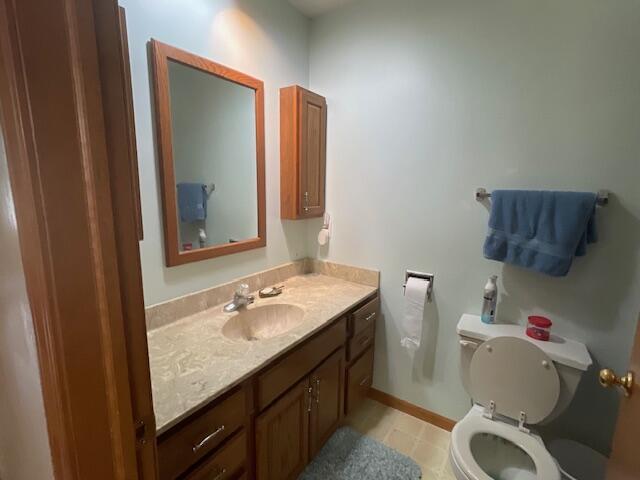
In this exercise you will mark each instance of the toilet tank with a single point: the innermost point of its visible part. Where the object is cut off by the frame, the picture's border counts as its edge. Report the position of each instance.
(571, 358)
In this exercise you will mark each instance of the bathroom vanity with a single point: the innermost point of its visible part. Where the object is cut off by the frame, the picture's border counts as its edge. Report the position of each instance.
(256, 393)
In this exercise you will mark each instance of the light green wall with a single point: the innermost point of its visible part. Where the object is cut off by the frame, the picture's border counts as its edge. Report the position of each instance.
(429, 99)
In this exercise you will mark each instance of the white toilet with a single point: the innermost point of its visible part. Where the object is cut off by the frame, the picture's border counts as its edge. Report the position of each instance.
(514, 381)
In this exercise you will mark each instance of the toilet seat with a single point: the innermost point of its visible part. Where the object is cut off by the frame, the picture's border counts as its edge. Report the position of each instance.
(514, 378)
(475, 423)
(513, 384)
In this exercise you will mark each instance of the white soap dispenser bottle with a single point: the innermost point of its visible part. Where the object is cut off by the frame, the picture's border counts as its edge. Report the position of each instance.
(490, 300)
(202, 237)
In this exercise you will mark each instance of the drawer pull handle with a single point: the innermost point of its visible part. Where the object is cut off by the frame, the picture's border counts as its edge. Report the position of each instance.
(220, 474)
(364, 340)
(371, 316)
(364, 381)
(207, 439)
(317, 390)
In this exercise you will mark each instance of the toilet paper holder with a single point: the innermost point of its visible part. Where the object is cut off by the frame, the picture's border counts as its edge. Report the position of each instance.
(425, 276)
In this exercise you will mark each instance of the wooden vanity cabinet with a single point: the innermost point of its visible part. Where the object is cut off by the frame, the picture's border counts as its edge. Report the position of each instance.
(271, 426)
(303, 139)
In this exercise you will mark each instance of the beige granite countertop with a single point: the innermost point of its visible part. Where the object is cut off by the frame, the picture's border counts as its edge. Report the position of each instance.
(192, 362)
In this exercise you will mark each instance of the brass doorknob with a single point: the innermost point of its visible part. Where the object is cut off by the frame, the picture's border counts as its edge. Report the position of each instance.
(608, 378)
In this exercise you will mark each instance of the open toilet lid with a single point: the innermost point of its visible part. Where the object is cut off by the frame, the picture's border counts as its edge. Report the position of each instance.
(517, 376)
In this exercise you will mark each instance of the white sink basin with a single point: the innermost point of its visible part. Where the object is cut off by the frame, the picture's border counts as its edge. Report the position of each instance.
(263, 322)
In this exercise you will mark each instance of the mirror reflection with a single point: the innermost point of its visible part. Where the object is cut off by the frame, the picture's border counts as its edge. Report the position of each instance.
(213, 127)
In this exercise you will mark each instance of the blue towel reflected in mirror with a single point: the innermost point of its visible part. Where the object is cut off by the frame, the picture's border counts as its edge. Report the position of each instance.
(192, 201)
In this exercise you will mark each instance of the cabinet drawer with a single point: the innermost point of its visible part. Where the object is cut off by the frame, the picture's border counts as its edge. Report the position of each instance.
(226, 464)
(295, 365)
(365, 316)
(359, 378)
(191, 442)
(361, 341)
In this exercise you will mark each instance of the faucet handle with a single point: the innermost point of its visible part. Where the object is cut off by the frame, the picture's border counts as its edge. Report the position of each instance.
(242, 290)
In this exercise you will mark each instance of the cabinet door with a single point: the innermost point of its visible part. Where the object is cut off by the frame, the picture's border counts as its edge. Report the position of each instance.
(313, 140)
(282, 436)
(327, 382)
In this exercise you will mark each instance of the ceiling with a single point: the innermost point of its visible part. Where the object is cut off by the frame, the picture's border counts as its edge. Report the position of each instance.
(313, 8)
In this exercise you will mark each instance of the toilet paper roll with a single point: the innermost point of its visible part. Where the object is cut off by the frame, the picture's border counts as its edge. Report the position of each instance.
(415, 298)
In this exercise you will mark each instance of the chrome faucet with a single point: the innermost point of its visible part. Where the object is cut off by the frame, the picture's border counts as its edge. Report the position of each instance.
(240, 299)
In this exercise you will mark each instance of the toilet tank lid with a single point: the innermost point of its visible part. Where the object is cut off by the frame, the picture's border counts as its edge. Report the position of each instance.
(561, 350)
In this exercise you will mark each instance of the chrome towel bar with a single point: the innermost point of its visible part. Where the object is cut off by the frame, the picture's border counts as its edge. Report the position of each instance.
(602, 200)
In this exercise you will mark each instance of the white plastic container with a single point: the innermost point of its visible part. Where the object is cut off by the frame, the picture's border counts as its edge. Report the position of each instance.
(490, 300)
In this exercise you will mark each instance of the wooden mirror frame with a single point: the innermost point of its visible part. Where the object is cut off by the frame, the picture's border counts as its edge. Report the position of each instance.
(161, 55)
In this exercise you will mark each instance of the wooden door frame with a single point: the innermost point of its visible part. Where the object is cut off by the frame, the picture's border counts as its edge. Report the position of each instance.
(60, 104)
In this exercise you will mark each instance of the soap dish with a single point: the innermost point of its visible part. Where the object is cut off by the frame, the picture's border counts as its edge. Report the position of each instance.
(270, 291)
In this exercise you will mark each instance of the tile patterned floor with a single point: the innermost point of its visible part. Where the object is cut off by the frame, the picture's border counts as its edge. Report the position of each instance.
(426, 444)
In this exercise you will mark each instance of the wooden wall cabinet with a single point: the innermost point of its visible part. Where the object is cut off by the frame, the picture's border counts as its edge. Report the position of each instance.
(275, 423)
(303, 139)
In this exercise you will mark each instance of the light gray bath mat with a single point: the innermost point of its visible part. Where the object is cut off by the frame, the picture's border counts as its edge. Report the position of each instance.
(347, 455)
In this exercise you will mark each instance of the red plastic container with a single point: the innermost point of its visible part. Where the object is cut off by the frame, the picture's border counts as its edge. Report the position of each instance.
(539, 328)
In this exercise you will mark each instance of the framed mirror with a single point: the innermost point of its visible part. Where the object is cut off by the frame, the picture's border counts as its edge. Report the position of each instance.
(210, 131)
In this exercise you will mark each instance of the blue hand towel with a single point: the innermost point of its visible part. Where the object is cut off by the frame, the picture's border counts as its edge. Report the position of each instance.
(192, 201)
(541, 231)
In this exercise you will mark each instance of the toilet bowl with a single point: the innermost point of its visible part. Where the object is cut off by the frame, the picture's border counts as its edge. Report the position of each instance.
(515, 382)
(485, 449)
